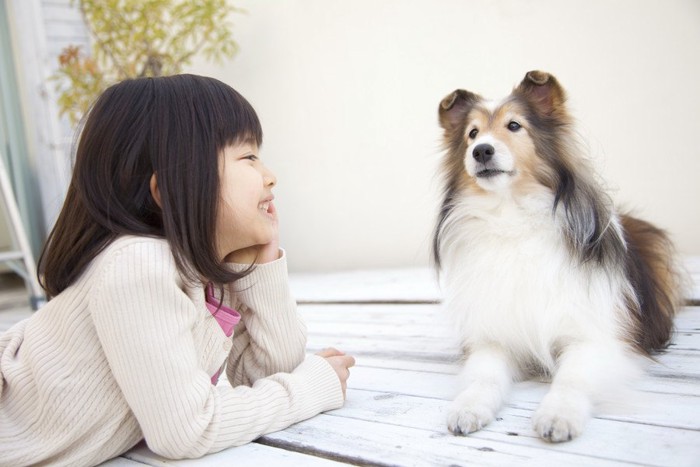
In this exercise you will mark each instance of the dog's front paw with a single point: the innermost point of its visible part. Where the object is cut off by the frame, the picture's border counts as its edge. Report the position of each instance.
(557, 428)
(462, 420)
(561, 419)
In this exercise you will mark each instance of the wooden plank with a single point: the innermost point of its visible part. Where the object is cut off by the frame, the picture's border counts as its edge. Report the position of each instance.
(692, 265)
(439, 338)
(612, 439)
(371, 443)
(400, 324)
(248, 455)
(684, 409)
(684, 340)
(429, 315)
(433, 348)
(66, 32)
(427, 349)
(406, 285)
(373, 313)
(688, 319)
(675, 373)
(382, 285)
(413, 332)
(62, 12)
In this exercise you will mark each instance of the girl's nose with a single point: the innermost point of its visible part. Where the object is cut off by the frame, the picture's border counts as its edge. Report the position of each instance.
(269, 178)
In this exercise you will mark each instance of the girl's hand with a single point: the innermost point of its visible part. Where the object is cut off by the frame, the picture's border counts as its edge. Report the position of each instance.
(340, 363)
(269, 252)
(261, 254)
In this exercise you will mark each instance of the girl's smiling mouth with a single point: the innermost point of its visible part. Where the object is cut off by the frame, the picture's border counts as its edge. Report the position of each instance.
(267, 207)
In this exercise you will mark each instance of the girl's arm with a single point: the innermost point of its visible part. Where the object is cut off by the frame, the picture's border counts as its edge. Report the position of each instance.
(271, 336)
(144, 322)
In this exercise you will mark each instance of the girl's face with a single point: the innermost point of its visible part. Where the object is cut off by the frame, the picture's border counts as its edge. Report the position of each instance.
(246, 214)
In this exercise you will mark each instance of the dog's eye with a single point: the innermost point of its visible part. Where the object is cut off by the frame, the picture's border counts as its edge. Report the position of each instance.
(514, 126)
(473, 133)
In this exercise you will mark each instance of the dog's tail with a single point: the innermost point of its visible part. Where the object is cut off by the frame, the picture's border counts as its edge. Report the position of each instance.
(653, 273)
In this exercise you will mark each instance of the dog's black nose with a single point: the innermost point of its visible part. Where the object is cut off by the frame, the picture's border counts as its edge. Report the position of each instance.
(483, 153)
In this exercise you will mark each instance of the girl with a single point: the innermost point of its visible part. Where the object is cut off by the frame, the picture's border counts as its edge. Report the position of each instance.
(150, 267)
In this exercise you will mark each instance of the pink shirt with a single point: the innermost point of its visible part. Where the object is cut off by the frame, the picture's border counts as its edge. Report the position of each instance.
(225, 316)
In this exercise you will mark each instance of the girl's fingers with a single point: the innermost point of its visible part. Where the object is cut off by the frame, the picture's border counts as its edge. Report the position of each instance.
(330, 352)
(348, 361)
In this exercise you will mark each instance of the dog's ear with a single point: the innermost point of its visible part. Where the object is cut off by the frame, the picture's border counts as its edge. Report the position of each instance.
(543, 91)
(455, 107)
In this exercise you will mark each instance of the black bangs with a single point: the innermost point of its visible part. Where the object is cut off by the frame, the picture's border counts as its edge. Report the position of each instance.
(231, 117)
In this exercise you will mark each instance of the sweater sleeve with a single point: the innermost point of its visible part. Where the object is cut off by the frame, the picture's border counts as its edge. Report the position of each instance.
(144, 320)
(271, 336)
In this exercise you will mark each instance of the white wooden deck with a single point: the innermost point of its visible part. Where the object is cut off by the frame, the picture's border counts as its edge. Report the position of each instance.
(405, 378)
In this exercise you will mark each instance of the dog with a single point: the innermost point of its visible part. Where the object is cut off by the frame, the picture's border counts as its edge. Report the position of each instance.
(541, 275)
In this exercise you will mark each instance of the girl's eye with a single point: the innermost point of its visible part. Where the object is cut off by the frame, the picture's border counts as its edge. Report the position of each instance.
(514, 126)
(251, 157)
(473, 133)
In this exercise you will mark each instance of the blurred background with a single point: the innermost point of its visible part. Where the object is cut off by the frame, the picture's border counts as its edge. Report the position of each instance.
(347, 92)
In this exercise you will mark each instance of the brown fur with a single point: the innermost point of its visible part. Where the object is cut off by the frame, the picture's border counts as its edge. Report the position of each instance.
(652, 273)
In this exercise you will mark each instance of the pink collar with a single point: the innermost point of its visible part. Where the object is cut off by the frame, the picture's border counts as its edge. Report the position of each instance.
(225, 316)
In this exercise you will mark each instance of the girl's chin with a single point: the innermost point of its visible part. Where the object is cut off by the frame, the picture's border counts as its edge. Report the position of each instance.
(269, 216)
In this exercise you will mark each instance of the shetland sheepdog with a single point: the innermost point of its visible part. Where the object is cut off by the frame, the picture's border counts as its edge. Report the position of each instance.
(541, 276)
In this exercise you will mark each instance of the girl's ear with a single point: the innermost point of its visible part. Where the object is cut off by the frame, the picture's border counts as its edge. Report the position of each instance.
(154, 190)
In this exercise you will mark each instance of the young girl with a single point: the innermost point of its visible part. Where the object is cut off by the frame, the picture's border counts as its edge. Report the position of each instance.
(166, 243)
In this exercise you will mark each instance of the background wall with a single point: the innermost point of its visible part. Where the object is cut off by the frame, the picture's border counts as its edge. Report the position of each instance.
(348, 92)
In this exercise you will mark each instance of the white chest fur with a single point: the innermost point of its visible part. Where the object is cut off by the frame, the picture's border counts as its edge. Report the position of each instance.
(508, 280)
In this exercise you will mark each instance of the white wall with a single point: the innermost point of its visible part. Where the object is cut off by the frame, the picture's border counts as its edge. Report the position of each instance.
(348, 92)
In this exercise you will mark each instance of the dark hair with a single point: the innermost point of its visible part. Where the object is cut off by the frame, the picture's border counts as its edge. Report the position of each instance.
(174, 127)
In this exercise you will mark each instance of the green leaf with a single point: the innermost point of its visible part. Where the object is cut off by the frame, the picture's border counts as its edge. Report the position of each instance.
(133, 38)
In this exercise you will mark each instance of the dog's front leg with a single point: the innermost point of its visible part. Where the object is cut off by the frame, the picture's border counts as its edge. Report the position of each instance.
(486, 378)
(586, 372)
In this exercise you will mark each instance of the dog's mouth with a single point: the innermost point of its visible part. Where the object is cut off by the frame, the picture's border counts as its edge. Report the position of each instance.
(490, 173)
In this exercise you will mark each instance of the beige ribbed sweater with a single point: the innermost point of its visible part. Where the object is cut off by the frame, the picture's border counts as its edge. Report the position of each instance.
(127, 353)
